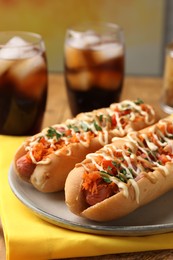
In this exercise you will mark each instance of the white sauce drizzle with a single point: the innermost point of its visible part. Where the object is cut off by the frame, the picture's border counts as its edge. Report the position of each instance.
(136, 188)
(132, 141)
(87, 120)
(121, 185)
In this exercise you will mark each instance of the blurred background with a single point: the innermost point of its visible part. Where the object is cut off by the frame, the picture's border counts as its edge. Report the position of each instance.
(146, 23)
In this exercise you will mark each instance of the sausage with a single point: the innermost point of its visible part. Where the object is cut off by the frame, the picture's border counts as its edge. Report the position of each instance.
(25, 166)
(104, 191)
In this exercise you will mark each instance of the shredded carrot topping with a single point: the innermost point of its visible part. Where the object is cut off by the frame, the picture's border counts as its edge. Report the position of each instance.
(41, 150)
(170, 128)
(90, 181)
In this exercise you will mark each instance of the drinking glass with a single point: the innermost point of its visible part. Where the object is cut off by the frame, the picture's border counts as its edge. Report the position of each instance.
(94, 65)
(23, 82)
(167, 90)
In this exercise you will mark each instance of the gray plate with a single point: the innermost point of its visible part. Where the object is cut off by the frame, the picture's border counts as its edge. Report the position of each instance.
(154, 218)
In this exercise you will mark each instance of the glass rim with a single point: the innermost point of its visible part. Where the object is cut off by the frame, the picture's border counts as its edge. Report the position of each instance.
(36, 38)
(94, 24)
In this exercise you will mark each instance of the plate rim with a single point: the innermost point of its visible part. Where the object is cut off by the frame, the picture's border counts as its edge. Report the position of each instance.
(129, 230)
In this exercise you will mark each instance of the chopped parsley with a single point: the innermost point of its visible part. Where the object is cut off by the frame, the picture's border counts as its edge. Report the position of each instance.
(75, 128)
(105, 176)
(84, 127)
(51, 132)
(139, 101)
(116, 164)
(101, 118)
(97, 127)
(122, 178)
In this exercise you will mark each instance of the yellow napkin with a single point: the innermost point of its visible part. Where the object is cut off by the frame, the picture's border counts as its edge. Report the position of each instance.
(29, 237)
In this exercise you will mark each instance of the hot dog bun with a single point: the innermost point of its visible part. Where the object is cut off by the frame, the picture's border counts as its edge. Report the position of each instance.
(45, 159)
(145, 187)
(51, 177)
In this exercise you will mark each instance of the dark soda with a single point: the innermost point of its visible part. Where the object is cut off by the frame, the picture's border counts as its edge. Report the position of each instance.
(23, 93)
(94, 73)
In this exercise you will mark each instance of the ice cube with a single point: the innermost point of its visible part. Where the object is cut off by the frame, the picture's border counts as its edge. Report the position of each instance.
(107, 51)
(108, 80)
(76, 43)
(16, 48)
(82, 40)
(16, 41)
(5, 65)
(29, 76)
(81, 81)
(75, 58)
(91, 39)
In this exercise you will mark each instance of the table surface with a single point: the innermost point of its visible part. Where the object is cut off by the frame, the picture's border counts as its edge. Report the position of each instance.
(57, 111)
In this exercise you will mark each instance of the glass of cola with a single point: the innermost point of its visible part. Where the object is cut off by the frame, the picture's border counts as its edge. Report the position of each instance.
(94, 65)
(167, 90)
(23, 83)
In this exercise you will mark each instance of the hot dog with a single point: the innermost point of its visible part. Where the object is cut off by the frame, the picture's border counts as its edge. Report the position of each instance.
(124, 175)
(45, 159)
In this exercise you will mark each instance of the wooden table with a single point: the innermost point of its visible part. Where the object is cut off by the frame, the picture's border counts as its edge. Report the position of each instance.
(57, 111)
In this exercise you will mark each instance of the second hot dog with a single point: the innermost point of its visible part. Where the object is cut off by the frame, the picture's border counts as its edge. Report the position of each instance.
(45, 159)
